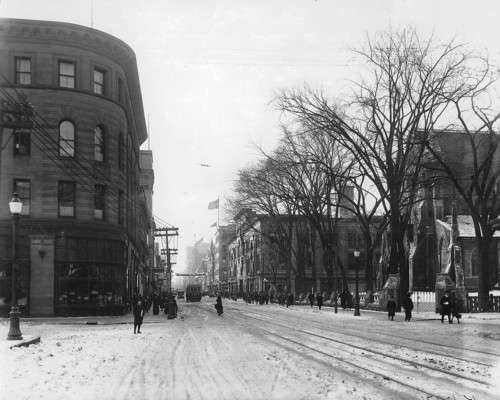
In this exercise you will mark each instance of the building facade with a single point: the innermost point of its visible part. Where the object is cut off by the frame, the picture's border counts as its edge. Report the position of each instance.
(85, 229)
(258, 258)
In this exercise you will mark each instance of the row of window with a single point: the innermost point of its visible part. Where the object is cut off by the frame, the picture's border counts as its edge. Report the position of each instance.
(67, 199)
(22, 142)
(67, 76)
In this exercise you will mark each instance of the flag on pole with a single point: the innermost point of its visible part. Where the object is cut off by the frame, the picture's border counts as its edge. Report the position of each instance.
(213, 205)
(214, 224)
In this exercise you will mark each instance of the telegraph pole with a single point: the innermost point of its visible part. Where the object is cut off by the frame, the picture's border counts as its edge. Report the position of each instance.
(166, 234)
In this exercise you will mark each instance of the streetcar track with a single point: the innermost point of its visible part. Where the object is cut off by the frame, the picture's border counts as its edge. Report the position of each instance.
(452, 375)
(482, 382)
(359, 334)
(354, 366)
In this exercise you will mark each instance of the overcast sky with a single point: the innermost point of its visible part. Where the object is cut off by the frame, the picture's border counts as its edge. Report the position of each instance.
(208, 70)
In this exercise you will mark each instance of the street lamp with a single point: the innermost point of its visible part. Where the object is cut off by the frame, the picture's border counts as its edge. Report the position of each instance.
(16, 207)
(356, 305)
(264, 281)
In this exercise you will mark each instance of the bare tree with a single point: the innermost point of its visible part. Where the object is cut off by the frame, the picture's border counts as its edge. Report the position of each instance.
(473, 168)
(407, 87)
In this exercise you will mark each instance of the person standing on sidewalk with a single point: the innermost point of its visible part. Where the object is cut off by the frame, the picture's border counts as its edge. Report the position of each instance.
(218, 306)
(446, 306)
(311, 298)
(319, 299)
(408, 306)
(391, 308)
(138, 315)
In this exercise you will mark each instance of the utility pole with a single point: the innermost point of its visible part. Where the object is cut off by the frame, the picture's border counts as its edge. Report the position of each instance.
(166, 234)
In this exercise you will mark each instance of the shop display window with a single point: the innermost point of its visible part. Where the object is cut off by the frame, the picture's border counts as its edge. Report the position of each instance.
(94, 284)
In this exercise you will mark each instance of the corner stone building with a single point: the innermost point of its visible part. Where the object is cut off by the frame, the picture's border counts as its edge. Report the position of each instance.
(83, 231)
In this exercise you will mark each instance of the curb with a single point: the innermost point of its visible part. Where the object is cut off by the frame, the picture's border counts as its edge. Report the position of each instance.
(25, 342)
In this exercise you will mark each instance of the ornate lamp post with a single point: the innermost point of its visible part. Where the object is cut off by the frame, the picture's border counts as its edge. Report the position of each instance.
(16, 207)
(264, 282)
(356, 304)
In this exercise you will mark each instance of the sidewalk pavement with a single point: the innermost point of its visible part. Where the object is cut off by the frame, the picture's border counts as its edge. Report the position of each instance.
(27, 340)
(100, 320)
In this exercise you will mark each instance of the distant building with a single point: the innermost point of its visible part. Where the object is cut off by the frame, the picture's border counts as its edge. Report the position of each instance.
(195, 262)
(85, 229)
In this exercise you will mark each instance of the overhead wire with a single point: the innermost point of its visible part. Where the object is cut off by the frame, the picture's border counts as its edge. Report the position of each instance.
(88, 171)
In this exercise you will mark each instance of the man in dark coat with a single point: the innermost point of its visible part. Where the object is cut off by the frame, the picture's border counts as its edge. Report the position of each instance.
(456, 311)
(138, 315)
(446, 306)
(391, 308)
(311, 298)
(290, 300)
(343, 299)
(218, 306)
(408, 306)
(319, 300)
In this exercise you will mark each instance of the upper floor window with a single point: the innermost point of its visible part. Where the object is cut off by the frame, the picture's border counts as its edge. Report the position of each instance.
(23, 71)
(22, 188)
(66, 139)
(100, 192)
(121, 211)
(66, 74)
(67, 198)
(121, 151)
(99, 143)
(22, 142)
(99, 81)
(120, 91)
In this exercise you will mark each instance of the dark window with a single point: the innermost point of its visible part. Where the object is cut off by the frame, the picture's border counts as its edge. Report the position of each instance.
(22, 188)
(66, 139)
(67, 198)
(120, 91)
(22, 141)
(98, 143)
(121, 211)
(99, 81)
(66, 74)
(23, 71)
(99, 197)
(121, 151)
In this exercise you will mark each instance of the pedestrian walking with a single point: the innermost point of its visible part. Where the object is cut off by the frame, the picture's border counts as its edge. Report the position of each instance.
(311, 298)
(319, 300)
(156, 305)
(343, 299)
(350, 301)
(408, 306)
(218, 306)
(446, 306)
(139, 311)
(391, 308)
(456, 311)
(290, 300)
(176, 308)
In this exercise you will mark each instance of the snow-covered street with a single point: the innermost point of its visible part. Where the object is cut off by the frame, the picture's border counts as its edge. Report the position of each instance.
(255, 352)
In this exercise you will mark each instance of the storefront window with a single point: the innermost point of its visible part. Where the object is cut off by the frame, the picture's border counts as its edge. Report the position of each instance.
(90, 283)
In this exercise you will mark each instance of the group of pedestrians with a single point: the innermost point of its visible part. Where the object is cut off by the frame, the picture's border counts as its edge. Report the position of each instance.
(346, 300)
(319, 299)
(449, 308)
(407, 306)
(141, 305)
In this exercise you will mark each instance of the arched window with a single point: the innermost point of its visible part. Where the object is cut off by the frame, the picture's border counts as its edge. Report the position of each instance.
(66, 139)
(99, 143)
